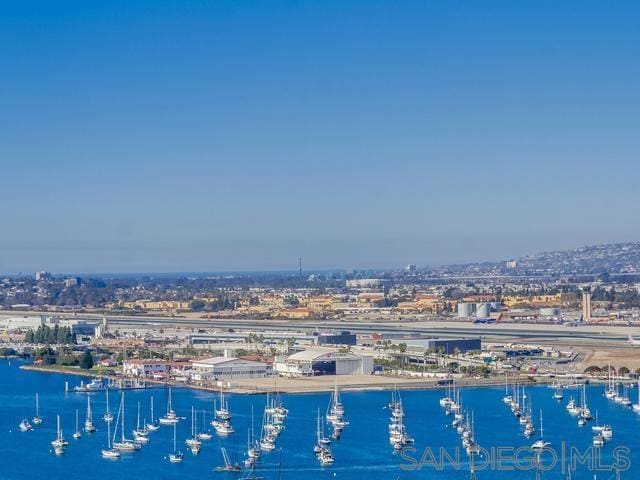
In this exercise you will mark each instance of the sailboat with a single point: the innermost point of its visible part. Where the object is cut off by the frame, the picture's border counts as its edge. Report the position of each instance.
(223, 412)
(24, 425)
(89, 427)
(540, 443)
(37, 420)
(557, 394)
(636, 406)
(170, 418)
(176, 456)
(610, 392)
(624, 400)
(140, 433)
(153, 425)
(193, 443)
(204, 434)
(109, 452)
(507, 397)
(108, 416)
(335, 408)
(124, 444)
(597, 427)
(572, 407)
(59, 443)
(253, 448)
(598, 440)
(77, 433)
(228, 466)
(585, 413)
(322, 449)
(221, 425)
(267, 437)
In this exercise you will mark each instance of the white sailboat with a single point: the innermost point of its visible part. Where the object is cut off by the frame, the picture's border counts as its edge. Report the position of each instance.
(59, 443)
(124, 445)
(109, 452)
(153, 425)
(204, 434)
(77, 433)
(540, 443)
(193, 442)
(221, 425)
(625, 400)
(24, 425)
(176, 456)
(267, 436)
(597, 427)
(322, 448)
(223, 412)
(37, 420)
(610, 391)
(335, 410)
(572, 407)
(507, 397)
(228, 466)
(598, 440)
(170, 417)
(89, 427)
(636, 406)
(253, 447)
(557, 393)
(107, 416)
(585, 413)
(140, 434)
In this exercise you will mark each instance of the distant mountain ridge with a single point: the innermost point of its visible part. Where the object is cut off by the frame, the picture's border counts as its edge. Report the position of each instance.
(612, 258)
(590, 259)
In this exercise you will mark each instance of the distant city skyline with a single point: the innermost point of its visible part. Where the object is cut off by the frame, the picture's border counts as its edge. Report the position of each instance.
(222, 136)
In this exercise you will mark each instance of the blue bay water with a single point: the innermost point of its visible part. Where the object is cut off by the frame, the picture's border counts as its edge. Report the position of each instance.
(362, 452)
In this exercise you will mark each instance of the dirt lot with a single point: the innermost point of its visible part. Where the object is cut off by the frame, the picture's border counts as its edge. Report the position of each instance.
(616, 356)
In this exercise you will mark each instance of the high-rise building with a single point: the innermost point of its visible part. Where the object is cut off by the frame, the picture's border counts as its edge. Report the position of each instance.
(586, 304)
(42, 276)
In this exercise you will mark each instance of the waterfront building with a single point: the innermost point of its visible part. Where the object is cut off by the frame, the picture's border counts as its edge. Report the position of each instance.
(145, 367)
(227, 368)
(323, 361)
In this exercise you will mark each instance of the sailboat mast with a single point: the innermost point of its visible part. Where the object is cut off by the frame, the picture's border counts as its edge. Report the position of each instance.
(122, 419)
(109, 435)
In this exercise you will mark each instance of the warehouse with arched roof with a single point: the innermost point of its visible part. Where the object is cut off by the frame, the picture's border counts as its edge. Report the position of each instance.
(324, 361)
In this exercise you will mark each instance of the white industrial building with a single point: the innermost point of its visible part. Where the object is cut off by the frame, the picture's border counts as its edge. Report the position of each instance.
(323, 361)
(145, 367)
(227, 368)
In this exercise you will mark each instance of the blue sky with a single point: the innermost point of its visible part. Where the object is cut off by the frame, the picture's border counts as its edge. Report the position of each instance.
(225, 135)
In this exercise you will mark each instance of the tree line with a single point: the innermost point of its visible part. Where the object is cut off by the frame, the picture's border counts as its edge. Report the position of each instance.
(47, 335)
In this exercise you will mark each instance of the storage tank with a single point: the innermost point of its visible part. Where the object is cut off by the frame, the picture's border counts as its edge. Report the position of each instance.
(465, 310)
(483, 310)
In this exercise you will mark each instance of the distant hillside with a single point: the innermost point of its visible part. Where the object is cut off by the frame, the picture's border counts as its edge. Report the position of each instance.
(591, 259)
(614, 258)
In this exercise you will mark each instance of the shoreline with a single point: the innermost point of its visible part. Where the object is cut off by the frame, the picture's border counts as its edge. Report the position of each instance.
(304, 385)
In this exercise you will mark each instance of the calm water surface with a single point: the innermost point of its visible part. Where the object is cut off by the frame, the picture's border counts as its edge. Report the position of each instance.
(362, 452)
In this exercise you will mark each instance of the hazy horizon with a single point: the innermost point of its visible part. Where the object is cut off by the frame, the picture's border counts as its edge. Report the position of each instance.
(221, 136)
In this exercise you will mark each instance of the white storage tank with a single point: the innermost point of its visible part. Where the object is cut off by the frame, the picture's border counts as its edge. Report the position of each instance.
(483, 310)
(465, 310)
